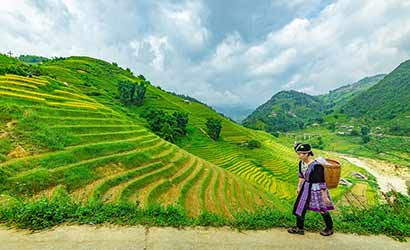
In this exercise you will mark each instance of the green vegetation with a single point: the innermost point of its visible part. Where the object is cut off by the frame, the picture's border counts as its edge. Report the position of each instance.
(70, 140)
(10, 65)
(127, 90)
(169, 127)
(389, 102)
(213, 128)
(254, 144)
(32, 59)
(393, 218)
(69, 128)
(286, 111)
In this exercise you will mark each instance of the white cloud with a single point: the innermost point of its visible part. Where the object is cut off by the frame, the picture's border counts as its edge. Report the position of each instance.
(175, 45)
(275, 65)
(151, 50)
(185, 22)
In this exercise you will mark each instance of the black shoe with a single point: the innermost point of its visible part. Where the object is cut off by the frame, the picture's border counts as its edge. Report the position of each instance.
(296, 230)
(326, 232)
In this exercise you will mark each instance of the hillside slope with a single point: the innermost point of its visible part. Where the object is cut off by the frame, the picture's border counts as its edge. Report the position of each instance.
(285, 111)
(337, 98)
(76, 134)
(66, 139)
(293, 110)
(389, 101)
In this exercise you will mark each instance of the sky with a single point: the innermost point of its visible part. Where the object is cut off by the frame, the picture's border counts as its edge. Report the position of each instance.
(224, 53)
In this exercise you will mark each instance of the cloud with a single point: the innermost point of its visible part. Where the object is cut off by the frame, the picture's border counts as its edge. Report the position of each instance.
(221, 52)
(275, 65)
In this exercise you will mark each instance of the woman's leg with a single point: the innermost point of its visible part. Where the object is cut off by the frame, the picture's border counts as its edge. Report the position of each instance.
(300, 222)
(299, 226)
(328, 220)
(329, 224)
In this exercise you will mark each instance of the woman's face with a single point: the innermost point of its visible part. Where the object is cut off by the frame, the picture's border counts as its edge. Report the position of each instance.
(302, 156)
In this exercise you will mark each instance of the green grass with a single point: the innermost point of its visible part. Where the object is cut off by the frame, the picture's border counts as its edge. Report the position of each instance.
(82, 138)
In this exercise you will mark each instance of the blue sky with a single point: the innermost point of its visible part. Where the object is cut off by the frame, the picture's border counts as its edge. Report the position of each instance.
(225, 53)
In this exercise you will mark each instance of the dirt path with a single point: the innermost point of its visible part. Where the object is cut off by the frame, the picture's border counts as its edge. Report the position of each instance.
(388, 176)
(138, 237)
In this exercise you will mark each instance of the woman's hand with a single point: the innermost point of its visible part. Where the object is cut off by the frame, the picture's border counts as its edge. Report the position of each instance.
(326, 200)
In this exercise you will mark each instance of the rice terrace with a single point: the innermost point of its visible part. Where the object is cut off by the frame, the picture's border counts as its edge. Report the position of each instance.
(96, 155)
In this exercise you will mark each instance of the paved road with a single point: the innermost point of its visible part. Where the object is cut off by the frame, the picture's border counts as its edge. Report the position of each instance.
(140, 238)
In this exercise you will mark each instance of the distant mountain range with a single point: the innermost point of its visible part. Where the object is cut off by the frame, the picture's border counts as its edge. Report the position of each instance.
(380, 100)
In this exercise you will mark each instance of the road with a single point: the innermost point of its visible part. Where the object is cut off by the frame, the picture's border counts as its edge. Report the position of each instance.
(81, 237)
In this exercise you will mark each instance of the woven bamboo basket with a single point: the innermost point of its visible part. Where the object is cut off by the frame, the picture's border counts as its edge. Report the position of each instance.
(332, 173)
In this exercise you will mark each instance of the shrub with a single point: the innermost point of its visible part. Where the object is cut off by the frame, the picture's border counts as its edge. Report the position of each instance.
(213, 128)
(254, 144)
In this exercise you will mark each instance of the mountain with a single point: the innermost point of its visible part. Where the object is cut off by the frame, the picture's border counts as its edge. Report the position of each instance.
(236, 113)
(339, 97)
(285, 111)
(292, 110)
(387, 103)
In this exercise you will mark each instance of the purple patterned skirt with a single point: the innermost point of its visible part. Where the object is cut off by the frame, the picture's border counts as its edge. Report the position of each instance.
(310, 198)
(316, 202)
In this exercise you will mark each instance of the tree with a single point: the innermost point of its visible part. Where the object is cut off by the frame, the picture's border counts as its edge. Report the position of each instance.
(364, 130)
(332, 126)
(182, 121)
(254, 144)
(141, 89)
(365, 138)
(213, 128)
(168, 132)
(126, 92)
(365, 134)
(169, 127)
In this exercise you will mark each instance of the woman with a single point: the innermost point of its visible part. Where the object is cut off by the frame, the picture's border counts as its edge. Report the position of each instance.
(312, 191)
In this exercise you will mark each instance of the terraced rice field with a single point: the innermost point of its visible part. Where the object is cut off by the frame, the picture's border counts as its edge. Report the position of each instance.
(112, 158)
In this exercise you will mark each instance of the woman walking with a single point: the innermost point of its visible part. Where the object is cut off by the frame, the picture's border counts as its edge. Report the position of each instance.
(312, 191)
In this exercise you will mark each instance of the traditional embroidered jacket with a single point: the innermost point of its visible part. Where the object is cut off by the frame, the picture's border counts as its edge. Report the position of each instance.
(310, 194)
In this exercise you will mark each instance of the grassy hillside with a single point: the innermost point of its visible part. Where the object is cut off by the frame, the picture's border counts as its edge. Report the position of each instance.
(389, 101)
(291, 110)
(337, 98)
(68, 139)
(285, 111)
(68, 129)
(65, 135)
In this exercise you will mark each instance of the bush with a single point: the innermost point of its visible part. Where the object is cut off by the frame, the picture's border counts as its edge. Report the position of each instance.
(167, 126)
(127, 91)
(213, 128)
(392, 218)
(254, 144)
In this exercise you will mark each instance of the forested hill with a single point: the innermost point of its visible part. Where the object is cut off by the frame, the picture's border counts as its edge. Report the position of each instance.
(387, 103)
(339, 97)
(291, 110)
(285, 111)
